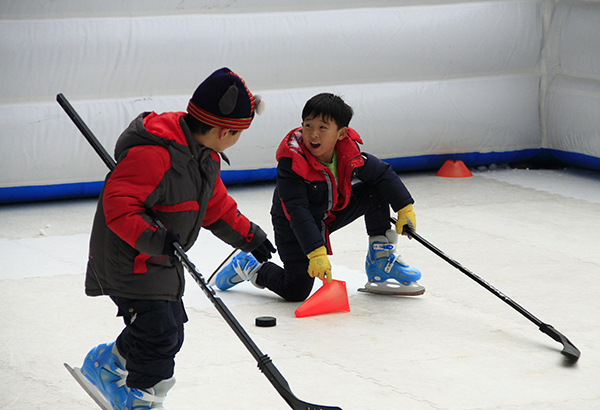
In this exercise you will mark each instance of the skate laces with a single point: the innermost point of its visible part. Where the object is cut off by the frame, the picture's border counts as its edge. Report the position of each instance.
(146, 396)
(390, 263)
(151, 398)
(120, 373)
(246, 272)
(392, 258)
(386, 247)
(116, 376)
(383, 247)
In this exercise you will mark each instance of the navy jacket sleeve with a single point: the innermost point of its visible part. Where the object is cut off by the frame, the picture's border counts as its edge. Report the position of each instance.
(380, 174)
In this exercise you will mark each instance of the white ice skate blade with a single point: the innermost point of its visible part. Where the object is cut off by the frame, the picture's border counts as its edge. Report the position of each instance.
(89, 388)
(393, 288)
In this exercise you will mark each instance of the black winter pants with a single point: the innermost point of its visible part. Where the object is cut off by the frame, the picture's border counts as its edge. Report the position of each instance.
(292, 282)
(153, 335)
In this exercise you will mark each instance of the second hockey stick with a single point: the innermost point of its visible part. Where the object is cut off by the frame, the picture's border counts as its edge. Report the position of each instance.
(569, 350)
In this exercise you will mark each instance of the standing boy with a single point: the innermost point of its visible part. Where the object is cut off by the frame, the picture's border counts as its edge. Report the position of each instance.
(168, 167)
(314, 197)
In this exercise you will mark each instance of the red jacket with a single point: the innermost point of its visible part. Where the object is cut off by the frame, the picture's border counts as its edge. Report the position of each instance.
(307, 192)
(160, 167)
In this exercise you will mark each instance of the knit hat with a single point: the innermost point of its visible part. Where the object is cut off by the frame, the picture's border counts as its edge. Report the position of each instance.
(223, 100)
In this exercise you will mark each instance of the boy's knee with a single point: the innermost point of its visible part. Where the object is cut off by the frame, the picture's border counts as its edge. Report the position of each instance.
(297, 283)
(298, 295)
(299, 289)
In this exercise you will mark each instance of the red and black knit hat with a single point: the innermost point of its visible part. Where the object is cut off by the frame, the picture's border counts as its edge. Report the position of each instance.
(223, 100)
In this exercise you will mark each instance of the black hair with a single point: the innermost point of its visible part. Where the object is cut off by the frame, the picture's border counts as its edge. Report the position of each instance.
(197, 126)
(330, 106)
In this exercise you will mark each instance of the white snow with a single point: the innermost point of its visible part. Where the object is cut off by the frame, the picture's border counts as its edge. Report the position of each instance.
(533, 234)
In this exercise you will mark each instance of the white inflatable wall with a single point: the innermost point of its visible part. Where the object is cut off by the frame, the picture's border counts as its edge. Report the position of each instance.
(572, 89)
(489, 81)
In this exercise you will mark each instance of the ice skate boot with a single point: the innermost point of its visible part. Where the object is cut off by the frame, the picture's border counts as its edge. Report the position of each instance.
(104, 367)
(152, 398)
(387, 272)
(243, 267)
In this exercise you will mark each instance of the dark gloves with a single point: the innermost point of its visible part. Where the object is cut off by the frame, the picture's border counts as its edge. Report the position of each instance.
(264, 251)
(168, 248)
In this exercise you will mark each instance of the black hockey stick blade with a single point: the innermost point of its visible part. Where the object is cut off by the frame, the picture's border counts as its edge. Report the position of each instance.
(268, 368)
(569, 350)
(264, 363)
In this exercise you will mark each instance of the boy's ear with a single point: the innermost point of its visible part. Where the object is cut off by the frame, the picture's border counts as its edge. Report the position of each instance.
(223, 132)
(342, 132)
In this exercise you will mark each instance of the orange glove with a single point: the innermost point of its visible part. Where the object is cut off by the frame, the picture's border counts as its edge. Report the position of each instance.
(406, 216)
(318, 265)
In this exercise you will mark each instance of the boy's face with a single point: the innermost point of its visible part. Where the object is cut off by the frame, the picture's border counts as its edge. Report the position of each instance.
(320, 137)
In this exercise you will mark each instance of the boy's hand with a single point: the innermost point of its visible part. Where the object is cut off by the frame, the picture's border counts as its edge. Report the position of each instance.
(318, 265)
(264, 251)
(406, 216)
(168, 248)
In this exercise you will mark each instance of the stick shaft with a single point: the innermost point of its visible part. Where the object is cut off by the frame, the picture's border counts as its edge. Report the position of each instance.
(569, 349)
(87, 133)
(477, 279)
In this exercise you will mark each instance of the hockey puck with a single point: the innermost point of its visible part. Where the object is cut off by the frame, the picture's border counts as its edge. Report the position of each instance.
(266, 321)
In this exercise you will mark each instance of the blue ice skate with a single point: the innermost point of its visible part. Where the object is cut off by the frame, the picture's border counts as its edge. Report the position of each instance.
(387, 272)
(105, 368)
(243, 267)
(151, 398)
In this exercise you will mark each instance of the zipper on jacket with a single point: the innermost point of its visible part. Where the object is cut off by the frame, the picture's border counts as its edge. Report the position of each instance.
(329, 189)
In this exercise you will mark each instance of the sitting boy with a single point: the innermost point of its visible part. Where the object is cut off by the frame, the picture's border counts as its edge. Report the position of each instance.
(315, 196)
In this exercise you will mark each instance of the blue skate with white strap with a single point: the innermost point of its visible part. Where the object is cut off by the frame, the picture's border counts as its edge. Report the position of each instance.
(105, 368)
(243, 267)
(387, 272)
(151, 398)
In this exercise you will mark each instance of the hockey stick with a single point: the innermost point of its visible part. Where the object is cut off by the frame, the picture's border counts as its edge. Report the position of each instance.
(221, 265)
(264, 362)
(569, 350)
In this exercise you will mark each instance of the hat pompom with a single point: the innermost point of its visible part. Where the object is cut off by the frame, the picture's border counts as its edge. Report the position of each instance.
(259, 104)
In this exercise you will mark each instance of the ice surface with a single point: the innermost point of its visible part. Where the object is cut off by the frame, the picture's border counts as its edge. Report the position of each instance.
(533, 234)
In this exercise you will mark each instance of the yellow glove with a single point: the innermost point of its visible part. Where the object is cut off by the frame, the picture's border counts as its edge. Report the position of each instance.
(406, 216)
(318, 265)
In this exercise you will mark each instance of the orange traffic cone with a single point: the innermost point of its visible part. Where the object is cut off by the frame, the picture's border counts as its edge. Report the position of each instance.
(454, 169)
(332, 297)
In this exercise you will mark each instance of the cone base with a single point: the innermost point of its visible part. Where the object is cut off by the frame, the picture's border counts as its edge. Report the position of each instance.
(454, 169)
